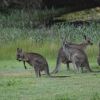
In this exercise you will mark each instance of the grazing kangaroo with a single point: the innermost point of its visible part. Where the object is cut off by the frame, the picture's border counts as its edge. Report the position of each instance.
(98, 58)
(35, 60)
(62, 58)
(77, 56)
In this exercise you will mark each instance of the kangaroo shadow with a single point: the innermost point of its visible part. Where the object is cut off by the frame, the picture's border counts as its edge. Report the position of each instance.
(95, 71)
(59, 76)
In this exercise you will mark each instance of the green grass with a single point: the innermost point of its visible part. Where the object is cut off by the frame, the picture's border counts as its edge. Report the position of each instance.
(16, 83)
(47, 49)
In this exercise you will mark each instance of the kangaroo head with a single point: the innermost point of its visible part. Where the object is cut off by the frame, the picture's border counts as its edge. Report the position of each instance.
(65, 46)
(20, 54)
(88, 40)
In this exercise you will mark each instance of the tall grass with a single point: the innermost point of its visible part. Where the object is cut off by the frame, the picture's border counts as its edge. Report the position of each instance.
(50, 34)
(46, 41)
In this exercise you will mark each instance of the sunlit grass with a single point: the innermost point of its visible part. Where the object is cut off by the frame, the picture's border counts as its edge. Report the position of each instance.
(85, 15)
(47, 49)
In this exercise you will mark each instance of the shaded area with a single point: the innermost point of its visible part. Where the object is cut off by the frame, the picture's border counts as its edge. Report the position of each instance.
(59, 76)
(48, 18)
(96, 72)
(71, 5)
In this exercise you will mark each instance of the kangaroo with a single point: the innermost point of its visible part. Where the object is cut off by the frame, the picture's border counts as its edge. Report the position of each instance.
(62, 58)
(35, 60)
(77, 56)
(98, 58)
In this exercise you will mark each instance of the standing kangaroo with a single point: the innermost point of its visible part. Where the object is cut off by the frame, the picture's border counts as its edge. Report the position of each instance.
(35, 60)
(98, 58)
(62, 58)
(77, 56)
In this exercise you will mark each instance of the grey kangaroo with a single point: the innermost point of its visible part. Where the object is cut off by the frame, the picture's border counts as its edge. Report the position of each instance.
(35, 60)
(77, 56)
(98, 58)
(62, 58)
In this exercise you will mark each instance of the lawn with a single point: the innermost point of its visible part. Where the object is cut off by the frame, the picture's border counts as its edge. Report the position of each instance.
(16, 83)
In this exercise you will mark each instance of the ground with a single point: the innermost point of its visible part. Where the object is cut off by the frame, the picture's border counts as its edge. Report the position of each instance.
(16, 83)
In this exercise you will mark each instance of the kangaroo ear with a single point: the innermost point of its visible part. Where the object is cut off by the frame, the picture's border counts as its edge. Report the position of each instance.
(62, 40)
(84, 37)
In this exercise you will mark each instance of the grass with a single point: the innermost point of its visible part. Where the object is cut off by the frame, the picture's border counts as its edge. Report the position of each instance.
(16, 83)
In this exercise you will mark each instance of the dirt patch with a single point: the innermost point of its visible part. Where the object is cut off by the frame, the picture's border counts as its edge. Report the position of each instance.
(15, 74)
